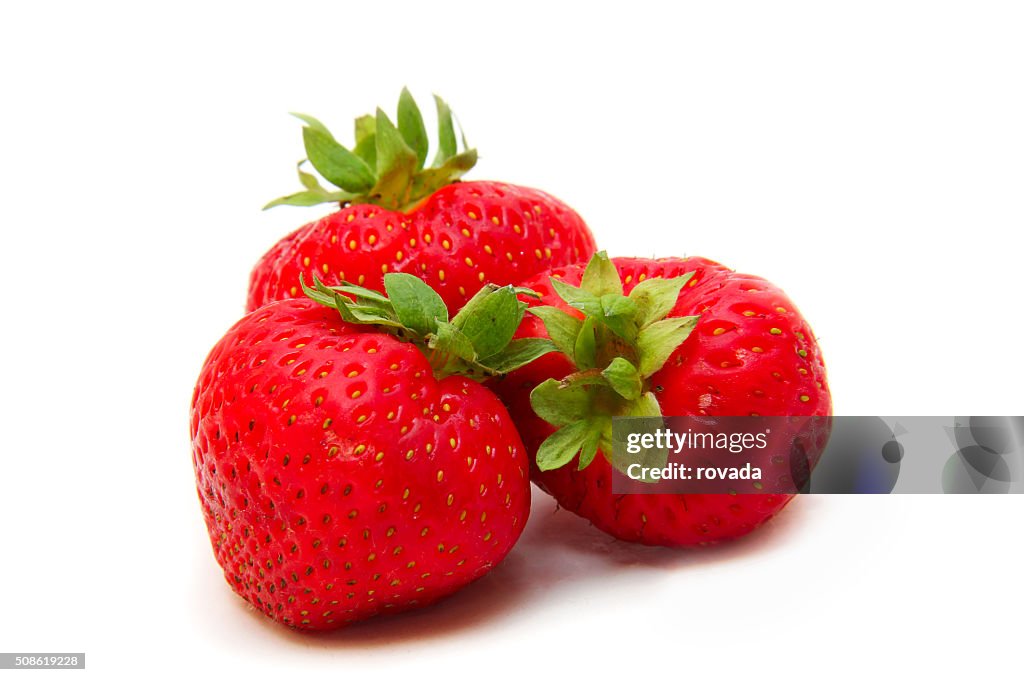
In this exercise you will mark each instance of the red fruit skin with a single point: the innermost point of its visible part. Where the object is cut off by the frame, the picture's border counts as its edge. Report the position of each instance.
(462, 236)
(339, 479)
(693, 381)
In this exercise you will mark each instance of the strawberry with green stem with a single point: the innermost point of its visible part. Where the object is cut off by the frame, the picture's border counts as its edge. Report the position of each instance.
(642, 337)
(399, 215)
(347, 459)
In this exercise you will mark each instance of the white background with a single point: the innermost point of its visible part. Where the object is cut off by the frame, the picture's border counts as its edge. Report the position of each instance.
(865, 156)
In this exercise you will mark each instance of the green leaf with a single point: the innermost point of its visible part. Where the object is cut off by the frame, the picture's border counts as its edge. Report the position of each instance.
(308, 198)
(314, 124)
(491, 320)
(657, 341)
(656, 297)
(361, 292)
(623, 377)
(410, 124)
(601, 277)
(619, 315)
(366, 126)
(518, 353)
(366, 140)
(447, 146)
(584, 353)
(314, 193)
(561, 403)
(450, 341)
(396, 164)
(430, 180)
(417, 306)
(577, 297)
(561, 446)
(336, 164)
(590, 445)
(562, 327)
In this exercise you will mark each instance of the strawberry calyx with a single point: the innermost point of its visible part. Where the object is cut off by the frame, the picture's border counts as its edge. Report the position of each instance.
(386, 167)
(619, 343)
(476, 343)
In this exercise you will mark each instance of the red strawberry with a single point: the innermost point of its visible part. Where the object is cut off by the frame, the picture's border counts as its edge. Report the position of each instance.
(643, 352)
(398, 216)
(344, 471)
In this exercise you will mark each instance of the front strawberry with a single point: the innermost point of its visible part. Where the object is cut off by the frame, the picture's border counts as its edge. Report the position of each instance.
(399, 216)
(643, 337)
(344, 471)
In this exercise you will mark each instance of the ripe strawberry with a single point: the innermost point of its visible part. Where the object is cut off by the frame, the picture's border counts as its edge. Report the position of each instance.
(397, 216)
(344, 471)
(666, 337)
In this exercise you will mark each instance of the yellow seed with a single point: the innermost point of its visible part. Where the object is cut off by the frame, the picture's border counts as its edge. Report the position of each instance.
(517, 229)
(326, 268)
(440, 275)
(537, 253)
(399, 255)
(472, 215)
(804, 398)
(361, 280)
(775, 330)
(508, 254)
(802, 353)
(372, 239)
(757, 349)
(451, 499)
(480, 276)
(305, 261)
(380, 456)
(361, 419)
(780, 309)
(748, 313)
(440, 476)
(430, 448)
(384, 268)
(352, 244)
(488, 250)
(469, 261)
(446, 244)
(410, 454)
(427, 237)
(494, 219)
(412, 242)
(327, 423)
(465, 232)
(451, 441)
(718, 330)
(547, 252)
(293, 291)
(360, 449)
(356, 393)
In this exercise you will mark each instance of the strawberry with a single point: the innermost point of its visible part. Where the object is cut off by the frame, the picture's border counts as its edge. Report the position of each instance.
(346, 470)
(668, 337)
(397, 216)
